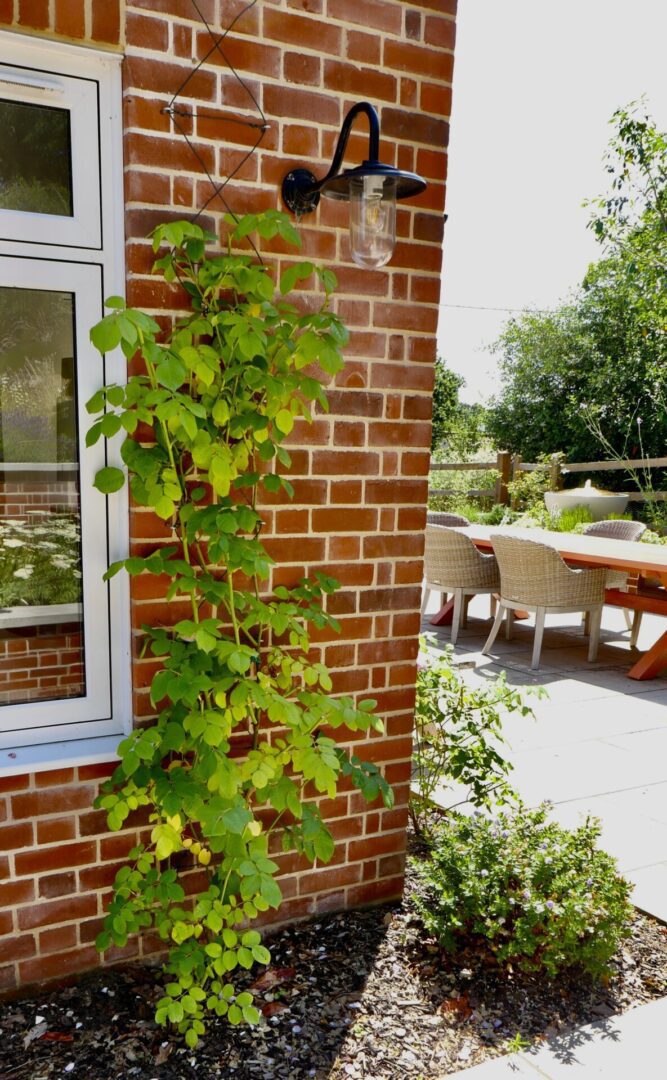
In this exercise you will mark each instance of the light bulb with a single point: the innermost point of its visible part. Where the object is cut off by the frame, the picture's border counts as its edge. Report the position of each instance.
(372, 220)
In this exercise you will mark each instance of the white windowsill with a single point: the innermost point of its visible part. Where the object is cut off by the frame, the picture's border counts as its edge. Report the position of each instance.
(39, 615)
(59, 755)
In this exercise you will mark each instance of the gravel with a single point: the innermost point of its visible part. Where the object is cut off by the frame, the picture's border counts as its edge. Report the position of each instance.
(360, 994)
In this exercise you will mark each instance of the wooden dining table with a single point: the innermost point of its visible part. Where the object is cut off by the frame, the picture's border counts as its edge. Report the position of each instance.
(645, 564)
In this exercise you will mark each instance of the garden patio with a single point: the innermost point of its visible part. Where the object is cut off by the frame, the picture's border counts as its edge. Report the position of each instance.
(598, 743)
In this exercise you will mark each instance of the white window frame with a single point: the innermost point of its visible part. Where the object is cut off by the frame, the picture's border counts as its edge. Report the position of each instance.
(78, 96)
(83, 254)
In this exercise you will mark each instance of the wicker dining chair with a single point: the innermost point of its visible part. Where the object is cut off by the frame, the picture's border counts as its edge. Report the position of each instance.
(441, 517)
(616, 529)
(534, 577)
(620, 529)
(453, 564)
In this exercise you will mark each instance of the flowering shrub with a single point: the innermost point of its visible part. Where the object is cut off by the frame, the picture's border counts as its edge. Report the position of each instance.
(39, 560)
(542, 896)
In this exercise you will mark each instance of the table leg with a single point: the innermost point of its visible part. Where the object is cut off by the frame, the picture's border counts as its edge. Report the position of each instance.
(445, 615)
(651, 663)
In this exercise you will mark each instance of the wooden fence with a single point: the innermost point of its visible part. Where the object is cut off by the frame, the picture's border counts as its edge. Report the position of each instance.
(508, 467)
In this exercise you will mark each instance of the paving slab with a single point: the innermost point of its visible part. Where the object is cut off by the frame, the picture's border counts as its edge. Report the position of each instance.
(626, 1047)
(650, 892)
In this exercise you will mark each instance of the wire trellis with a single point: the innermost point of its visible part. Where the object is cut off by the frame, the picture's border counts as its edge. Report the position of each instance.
(177, 113)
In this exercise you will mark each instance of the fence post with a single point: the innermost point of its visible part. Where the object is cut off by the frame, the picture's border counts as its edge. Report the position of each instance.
(516, 473)
(504, 469)
(554, 473)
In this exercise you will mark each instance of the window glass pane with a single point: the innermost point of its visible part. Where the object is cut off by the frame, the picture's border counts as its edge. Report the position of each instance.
(35, 159)
(41, 628)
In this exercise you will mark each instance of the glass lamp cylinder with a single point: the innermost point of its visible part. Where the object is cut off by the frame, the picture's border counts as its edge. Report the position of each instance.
(372, 220)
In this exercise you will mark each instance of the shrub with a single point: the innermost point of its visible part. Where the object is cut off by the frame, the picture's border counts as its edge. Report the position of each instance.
(458, 734)
(541, 896)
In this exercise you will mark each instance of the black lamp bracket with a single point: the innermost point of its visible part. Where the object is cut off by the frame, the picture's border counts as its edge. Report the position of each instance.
(301, 188)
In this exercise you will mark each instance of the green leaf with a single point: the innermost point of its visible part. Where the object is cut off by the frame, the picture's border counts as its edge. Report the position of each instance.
(293, 274)
(105, 335)
(284, 421)
(109, 479)
(170, 372)
(324, 845)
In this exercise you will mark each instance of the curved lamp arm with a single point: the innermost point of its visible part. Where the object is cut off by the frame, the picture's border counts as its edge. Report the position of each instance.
(301, 189)
(341, 145)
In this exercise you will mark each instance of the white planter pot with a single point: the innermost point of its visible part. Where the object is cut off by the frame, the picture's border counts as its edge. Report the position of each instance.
(599, 504)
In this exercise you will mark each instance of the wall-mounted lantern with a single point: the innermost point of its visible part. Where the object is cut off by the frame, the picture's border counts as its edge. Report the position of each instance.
(371, 188)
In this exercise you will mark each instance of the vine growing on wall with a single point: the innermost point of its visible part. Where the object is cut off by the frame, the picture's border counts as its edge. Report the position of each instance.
(242, 746)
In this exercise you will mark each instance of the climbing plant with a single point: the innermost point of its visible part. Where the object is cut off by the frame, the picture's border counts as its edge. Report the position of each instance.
(242, 746)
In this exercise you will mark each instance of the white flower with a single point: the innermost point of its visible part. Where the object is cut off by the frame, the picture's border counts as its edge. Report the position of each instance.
(24, 572)
(13, 543)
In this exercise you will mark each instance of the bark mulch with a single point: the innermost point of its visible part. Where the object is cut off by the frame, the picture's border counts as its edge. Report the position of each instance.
(362, 994)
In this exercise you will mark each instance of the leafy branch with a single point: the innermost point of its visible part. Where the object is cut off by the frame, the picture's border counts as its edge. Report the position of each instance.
(240, 750)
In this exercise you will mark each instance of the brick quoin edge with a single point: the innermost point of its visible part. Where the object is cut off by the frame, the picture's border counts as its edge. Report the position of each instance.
(359, 473)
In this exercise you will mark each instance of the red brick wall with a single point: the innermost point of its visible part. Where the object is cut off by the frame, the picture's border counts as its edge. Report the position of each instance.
(359, 473)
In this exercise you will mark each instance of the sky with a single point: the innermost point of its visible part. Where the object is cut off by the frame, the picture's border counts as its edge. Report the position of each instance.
(535, 85)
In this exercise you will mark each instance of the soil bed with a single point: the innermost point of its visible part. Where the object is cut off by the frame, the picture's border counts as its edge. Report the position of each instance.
(363, 994)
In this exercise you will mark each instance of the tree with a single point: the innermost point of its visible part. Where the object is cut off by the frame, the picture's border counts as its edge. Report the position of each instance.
(596, 364)
(458, 428)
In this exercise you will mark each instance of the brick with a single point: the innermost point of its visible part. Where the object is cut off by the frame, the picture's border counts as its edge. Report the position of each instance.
(375, 13)
(57, 965)
(386, 652)
(307, 33)
(440, 32)
(53, 858)
(34, 14)
(57, 939)
(13, 783)
(417, 60)
(345, 462)
(389, 599)
(70, 18)
(364, 47)
(16, 892)
(146, 73)
(376, 892)
(106, 22)
(54, 830)
(54, 885)
(408, 376)
(406, 317)
(100, 771)
(325, 880)
(54, 777)
(413, 25)
(355, 403)
(302, 68)
(16, 836)
(396, 434)
(16, 947)
(143, 32)
(349, 519)
(357, 81)
(301, 105)
(51, 801)
(58, 911)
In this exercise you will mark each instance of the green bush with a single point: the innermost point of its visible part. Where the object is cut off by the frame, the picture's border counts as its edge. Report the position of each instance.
(458, 735)
(541, 896)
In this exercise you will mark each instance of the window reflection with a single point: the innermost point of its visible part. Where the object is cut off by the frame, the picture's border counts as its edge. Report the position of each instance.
(41, 639)
(35, 159)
